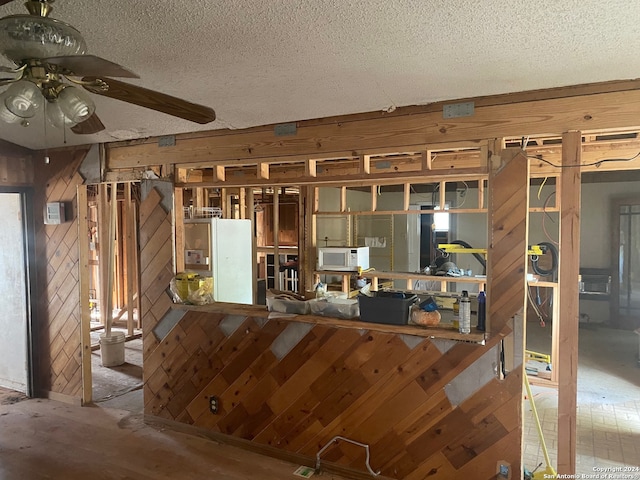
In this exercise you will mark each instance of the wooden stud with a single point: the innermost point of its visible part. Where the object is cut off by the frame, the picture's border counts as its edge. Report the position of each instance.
(243, 207)
(276, 239)
(311, 168)
(130, 223)
(263, 171)
(219, 173)
(303, 232)
(85, 312)
(374, 198)
(365, 164)
(426, 160)
(224, 203)
(343, 199)
(178, 219)
(443, 195)
(113, 213)
(407, 197)
(251, 201)
(103, 254)
(569, 269)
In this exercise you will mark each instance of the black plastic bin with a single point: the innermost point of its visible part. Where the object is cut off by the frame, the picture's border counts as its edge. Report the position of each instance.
(386, 307)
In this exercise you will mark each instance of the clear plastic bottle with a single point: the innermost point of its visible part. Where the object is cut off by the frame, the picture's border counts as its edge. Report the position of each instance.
(465, 313)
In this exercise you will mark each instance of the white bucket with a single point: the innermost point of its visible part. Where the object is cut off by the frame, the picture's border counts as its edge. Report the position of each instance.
(112, 349)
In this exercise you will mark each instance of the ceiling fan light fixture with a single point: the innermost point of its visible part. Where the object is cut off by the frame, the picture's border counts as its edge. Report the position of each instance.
(23, 98)
(25, 37)
(55, 116)
(75, 104)
(5, 115)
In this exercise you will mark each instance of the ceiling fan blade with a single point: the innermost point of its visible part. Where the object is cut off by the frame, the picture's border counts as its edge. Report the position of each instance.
(154, 100)
(82, 65)
(89, 126)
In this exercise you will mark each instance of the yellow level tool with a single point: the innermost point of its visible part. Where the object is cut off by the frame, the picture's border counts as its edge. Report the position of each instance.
(456, 248)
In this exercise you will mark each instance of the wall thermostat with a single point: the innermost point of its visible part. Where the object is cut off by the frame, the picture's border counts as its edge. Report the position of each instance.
(54, 213)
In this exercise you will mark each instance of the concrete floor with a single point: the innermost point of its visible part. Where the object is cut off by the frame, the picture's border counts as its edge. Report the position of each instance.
(120, 386)
(608, 419)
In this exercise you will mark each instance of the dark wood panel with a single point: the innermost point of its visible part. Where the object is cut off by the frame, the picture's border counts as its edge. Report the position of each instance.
(58, 301)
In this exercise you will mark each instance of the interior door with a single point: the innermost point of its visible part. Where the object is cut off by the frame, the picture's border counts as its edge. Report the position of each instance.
(626, 280)
(14, 307)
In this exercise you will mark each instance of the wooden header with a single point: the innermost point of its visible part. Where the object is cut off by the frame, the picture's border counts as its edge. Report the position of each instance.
(357, 135)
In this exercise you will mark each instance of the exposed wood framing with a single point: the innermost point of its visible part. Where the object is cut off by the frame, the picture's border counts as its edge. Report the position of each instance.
(132, 271)
(85, 313)
(178, 221)
(365, 164)
(569, 268)
(595, 112)
(220, 173)
(276, 239)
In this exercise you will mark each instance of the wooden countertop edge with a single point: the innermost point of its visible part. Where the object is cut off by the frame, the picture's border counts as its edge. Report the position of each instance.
(260, 311)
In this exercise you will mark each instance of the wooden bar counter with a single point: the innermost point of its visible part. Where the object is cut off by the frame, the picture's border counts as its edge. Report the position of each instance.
(427, 404)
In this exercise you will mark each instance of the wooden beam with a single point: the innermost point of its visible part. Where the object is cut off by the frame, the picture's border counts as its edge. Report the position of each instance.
(593, 112)
(85, 312)
(569, 268)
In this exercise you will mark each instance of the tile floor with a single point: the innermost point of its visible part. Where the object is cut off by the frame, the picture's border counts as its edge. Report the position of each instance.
(608, 417)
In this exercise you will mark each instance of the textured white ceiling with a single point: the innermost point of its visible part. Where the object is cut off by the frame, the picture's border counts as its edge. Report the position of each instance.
(268, 61)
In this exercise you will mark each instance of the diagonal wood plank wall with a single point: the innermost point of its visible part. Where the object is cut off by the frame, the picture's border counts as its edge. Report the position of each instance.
(390, 391)
(156, 267)
(58, 305)
(368, 386)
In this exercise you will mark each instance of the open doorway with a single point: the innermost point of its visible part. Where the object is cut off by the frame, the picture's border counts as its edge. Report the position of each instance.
(109, 291)
(15, 318)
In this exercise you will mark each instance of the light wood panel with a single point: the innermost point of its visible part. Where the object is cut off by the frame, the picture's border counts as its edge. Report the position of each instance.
(366, 385)
(568, 270)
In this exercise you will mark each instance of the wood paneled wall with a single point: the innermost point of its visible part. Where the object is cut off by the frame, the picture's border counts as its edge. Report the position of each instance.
(58, 305)
(372, 387)
(293, 387)
(156, 267)
(16, 171)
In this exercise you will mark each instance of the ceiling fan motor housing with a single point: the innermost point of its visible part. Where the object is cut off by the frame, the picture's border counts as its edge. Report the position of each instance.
(25, 37)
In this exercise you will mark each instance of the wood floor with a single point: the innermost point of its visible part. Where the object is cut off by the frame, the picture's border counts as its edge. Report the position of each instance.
(44, 439)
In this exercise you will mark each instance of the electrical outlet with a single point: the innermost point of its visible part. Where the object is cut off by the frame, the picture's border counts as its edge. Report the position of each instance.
(214, 404)
(504, 471)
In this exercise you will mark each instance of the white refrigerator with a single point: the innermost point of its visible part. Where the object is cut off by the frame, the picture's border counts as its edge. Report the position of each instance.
(221, 248)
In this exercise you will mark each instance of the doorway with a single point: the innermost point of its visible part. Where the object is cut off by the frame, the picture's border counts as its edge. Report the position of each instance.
(625, 305)
(15, 343)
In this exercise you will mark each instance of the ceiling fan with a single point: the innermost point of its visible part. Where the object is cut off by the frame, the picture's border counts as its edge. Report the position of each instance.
(53, 68)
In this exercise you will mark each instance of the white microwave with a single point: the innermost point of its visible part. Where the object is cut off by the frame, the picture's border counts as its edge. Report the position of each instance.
(343, 259)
